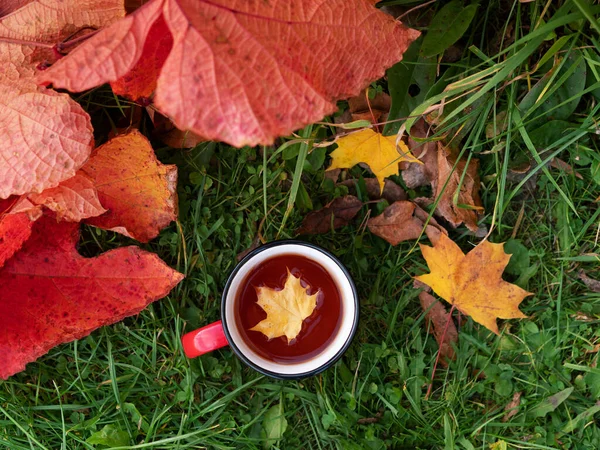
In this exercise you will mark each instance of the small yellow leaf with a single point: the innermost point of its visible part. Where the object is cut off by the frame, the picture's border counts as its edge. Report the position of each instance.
(286, 309)
(473, 282)
(371, 148)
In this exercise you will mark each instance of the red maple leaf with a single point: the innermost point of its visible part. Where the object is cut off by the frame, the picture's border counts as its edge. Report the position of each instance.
(51, 294)
(46, 136)
(239, 72)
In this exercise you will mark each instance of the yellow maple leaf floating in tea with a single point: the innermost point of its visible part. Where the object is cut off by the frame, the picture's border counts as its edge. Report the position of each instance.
(377, 151)
(286, 309)
(473, 282)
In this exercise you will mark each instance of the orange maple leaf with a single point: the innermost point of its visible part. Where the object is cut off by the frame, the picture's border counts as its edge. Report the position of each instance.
(473, 282)
(239, 72)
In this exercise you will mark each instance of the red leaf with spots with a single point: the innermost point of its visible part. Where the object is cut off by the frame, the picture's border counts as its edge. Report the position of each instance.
(15, 229)
(239, 72)
(51, 294)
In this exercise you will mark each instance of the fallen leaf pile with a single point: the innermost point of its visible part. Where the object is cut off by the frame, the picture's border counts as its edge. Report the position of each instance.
(46, 136)
(51, 294)
(472, 283)
(240, 72)
(286, 308)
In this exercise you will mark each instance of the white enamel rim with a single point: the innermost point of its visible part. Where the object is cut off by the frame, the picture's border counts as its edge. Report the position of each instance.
(346, 329)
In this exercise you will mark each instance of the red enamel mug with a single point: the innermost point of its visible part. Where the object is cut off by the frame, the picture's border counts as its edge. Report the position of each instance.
(228, 331)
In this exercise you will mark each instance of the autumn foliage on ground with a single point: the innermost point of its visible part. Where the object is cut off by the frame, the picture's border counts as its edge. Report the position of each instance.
(248, 80)
(245, 56)
(446, 152)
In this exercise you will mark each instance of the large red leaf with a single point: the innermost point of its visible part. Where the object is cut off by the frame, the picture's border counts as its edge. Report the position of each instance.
(46, 136)
(242, 72)
(138, 191)
(51, 294)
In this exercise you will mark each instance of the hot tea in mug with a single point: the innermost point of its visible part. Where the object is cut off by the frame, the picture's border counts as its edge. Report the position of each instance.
(289, 310)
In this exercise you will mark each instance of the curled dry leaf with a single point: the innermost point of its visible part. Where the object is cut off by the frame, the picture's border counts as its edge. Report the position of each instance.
(137, 190)
(447, 184)
(591, 283)
(444, 329)
(240, 72)
(403, 221)
(416, 175)
(51, 294)
(377, 151)
(512, 407)
(391, 191)
(473, 282)
(286, 308)
(335, 214)
(46, 136)
(438, 170)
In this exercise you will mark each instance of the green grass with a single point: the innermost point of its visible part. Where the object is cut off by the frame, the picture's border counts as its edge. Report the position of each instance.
(132, 381)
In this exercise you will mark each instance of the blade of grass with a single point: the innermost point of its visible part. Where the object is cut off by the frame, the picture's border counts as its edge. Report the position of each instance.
(303, 152)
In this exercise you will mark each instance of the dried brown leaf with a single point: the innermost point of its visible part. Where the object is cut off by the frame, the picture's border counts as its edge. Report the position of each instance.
(436, 315)
(391, 191)
(335, 214)
(512, 407)
(374, 110)
(403, 221)
(448, 182)
(592, 284)
(415, 175)
(559, 164)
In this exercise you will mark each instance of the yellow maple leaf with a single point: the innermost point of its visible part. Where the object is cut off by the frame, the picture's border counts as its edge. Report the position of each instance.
(374, 149)
(286, 309)
(473, 282)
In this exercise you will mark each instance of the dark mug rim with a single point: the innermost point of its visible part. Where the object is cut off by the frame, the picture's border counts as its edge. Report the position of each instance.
(243, 357)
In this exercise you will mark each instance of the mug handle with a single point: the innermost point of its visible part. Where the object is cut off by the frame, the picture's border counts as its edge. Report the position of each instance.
(204, 340)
